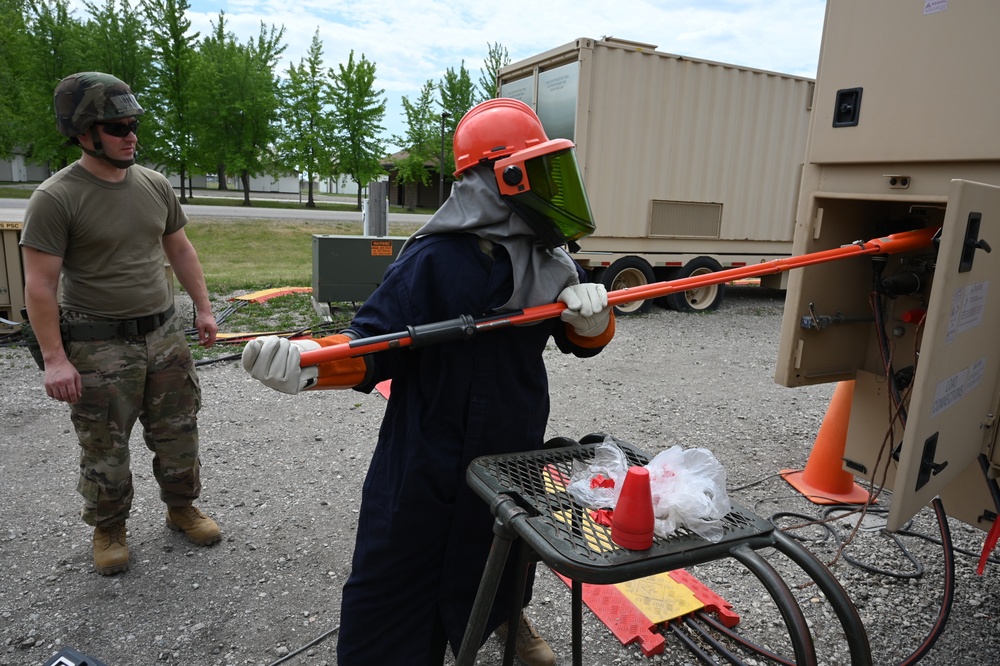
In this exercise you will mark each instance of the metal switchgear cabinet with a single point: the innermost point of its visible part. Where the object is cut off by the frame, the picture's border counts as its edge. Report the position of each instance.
(901, 139)
(349, 268)
(11, 273)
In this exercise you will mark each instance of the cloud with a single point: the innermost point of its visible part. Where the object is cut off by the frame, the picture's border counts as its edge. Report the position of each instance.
(413, 41)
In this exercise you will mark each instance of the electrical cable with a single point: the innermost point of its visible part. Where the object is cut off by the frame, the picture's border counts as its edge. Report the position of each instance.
(691, 645)
(949, 589)
(317, 330)
(949, 572)
(315, 641)
(703, 616)
(703, 634)
(209, 361)
(753, 483)
(878, 309)
(810, 522)
(961, 551)
(918, 568)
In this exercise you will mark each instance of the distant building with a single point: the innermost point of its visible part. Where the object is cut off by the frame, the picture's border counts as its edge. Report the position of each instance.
(16, 170)
(414, 195)
(198, 182)
(341, 184)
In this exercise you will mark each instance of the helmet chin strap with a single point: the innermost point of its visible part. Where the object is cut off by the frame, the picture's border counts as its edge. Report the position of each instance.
(98, 151)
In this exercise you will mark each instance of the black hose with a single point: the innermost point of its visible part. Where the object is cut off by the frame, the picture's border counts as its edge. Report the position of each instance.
(736, 638)
(949, 589)
(691, 645)
(308, 645)
(704, 635)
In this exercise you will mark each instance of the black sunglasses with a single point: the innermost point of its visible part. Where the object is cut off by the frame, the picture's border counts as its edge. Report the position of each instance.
(121, 130)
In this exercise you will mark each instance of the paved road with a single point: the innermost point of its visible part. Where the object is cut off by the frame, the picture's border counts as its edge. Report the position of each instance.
(12, 210)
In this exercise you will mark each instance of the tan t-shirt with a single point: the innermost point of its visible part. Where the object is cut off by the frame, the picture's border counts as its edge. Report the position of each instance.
(109, 236)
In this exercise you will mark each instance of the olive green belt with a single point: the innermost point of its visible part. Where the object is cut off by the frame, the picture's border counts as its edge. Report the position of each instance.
(84, 331)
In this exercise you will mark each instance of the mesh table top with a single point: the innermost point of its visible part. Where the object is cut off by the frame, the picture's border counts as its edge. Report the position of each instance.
(564, 533)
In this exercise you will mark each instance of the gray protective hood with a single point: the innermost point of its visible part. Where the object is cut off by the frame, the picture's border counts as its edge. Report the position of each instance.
(475, 207)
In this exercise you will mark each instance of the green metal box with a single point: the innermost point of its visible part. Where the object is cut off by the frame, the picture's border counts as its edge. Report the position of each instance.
(349, 268)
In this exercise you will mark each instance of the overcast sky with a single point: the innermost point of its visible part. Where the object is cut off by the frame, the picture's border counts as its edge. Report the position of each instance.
(411, 41)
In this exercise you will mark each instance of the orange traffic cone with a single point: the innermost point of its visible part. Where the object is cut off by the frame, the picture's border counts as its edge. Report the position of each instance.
(824, 480)
(633, 521)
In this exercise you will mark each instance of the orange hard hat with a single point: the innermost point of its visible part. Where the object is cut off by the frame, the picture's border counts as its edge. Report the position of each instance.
(494, 129)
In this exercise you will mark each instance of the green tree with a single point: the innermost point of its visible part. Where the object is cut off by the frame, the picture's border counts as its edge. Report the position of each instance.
(14, 77)
(489, 78)
(168, 137)
(358, 112)
(458, 95)
(307, 137)
(216, 59)
(421, 140)
(56, 40)
(117, 44)
(261, 104)
(238, 102)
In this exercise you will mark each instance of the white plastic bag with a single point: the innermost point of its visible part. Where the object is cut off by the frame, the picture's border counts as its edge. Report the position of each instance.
(688, 487)
(689, 490)
(597, 483)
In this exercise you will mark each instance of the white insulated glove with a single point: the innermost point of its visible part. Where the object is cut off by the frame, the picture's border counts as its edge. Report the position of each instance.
(274, 362)
(587, 308)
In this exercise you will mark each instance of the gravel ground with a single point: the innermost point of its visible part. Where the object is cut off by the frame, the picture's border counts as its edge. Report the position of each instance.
(282, 476)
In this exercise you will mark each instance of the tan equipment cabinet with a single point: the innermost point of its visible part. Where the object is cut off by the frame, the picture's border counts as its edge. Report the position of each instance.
(11, 273)
(903, 136)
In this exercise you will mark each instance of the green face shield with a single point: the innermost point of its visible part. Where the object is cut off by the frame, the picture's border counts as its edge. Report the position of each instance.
(546, 190)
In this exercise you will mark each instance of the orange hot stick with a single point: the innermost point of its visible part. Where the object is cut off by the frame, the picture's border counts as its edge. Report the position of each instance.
(465, 326)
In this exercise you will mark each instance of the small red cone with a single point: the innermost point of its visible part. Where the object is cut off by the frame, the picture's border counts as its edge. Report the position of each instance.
(824, 480)
(632, 521)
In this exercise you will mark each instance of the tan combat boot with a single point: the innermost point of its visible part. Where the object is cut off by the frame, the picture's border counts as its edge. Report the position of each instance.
(110, 551)
(531, 648)
(199, 528)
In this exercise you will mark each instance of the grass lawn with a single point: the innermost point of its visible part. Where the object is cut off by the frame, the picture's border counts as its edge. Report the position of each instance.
(257, 254)
(254, 254)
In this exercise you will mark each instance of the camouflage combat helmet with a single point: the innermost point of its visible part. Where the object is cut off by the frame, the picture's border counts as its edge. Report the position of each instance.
(86, 98)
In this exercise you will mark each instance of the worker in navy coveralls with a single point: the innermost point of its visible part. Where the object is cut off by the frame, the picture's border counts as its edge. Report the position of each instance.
(496, 244)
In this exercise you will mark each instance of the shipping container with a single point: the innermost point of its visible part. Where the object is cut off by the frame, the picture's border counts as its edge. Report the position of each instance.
(691, 166)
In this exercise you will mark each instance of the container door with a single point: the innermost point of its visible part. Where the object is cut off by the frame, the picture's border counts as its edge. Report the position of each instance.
(951, 410)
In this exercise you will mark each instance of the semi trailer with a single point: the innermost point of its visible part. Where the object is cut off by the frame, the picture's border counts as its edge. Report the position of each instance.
(691, 166)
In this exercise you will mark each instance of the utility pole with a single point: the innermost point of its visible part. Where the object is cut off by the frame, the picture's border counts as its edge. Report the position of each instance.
(444, 114)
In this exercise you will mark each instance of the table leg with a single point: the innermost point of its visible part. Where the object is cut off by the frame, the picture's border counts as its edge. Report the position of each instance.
(577, 623)
(850, 620)
(505, 510)
(798, 630)
(516, 603)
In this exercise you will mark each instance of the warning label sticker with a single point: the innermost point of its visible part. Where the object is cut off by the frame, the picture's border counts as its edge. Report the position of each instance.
(952, 389)
(967, 307)
(381, 248)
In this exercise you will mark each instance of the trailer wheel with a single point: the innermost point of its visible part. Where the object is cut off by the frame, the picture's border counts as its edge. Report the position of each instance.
(626, 273)
(702, 299)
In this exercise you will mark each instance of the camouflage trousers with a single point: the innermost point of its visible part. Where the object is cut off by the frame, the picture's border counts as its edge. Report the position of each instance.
(150, 378)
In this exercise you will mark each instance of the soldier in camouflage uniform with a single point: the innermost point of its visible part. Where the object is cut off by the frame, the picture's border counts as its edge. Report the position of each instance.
(112, 346)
